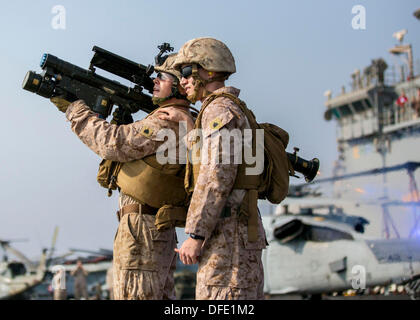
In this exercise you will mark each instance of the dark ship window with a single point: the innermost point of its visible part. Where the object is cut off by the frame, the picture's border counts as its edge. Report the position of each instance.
(345, 110)
(358, 106)
(336, 113)
(368, 103)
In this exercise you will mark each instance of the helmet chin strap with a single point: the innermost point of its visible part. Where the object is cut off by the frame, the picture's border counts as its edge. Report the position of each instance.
(174, 94)
(158, 101)
(199, 83)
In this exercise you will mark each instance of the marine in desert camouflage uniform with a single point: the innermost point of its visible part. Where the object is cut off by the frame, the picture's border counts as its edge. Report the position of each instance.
(230, 265)
(144, 257)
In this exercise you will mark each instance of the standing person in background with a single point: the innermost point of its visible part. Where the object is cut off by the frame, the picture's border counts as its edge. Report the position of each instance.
(80, 287)
(401, 103)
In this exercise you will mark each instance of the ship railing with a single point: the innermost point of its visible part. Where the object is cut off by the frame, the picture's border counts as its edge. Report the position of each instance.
(400, 114)
(399, 74)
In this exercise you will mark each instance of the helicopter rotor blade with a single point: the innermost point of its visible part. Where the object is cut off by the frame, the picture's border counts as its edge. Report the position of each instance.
(53, 242)
(5, 245)
(101, 252)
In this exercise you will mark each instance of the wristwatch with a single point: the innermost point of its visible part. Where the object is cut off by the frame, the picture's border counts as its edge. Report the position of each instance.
(196, 237)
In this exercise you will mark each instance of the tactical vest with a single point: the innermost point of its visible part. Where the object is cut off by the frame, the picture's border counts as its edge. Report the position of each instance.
(150, 183)
(272, 184)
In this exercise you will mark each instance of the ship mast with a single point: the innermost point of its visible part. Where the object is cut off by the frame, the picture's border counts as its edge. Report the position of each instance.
(404, 49)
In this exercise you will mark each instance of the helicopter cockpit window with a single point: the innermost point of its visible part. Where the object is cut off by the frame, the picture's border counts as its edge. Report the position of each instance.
(297, 230)
(17, 269)
(324, 234)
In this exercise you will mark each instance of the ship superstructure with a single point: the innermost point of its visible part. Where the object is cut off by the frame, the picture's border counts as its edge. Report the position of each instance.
(378, 141)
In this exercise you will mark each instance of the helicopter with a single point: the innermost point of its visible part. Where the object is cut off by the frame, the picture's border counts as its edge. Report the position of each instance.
(315, 248)
(19, 277)
(97, 264)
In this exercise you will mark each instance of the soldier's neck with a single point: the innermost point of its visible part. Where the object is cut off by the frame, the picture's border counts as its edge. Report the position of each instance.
(213, 86)
(173, 102)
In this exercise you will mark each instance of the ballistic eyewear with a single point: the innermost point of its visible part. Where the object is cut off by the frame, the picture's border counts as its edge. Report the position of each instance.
(187, 71)
(164, 76)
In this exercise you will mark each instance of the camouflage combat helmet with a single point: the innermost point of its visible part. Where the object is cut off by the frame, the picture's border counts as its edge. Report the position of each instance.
(210, 54)
(168, 67)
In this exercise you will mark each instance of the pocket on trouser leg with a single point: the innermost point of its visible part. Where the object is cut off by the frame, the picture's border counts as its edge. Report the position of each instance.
(132, 247)
(215, 266)
(141, 246)
(163, 243)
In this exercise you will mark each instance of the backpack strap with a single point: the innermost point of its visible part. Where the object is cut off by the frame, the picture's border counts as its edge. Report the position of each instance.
(249, 206)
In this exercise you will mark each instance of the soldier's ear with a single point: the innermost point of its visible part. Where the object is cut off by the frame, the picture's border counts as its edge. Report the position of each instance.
(204, 74)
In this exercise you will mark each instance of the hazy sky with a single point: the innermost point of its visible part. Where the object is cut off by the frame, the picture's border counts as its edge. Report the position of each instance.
(288, 53)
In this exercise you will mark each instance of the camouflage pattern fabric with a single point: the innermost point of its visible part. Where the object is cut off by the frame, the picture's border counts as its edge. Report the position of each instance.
(110, 281)
(210, 53)
(168, 66)
(117, 143)
(144, 258)
(230, 266)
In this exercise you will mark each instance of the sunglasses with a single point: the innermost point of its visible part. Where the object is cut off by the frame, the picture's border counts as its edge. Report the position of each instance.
(164, 76)
(187, 71)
